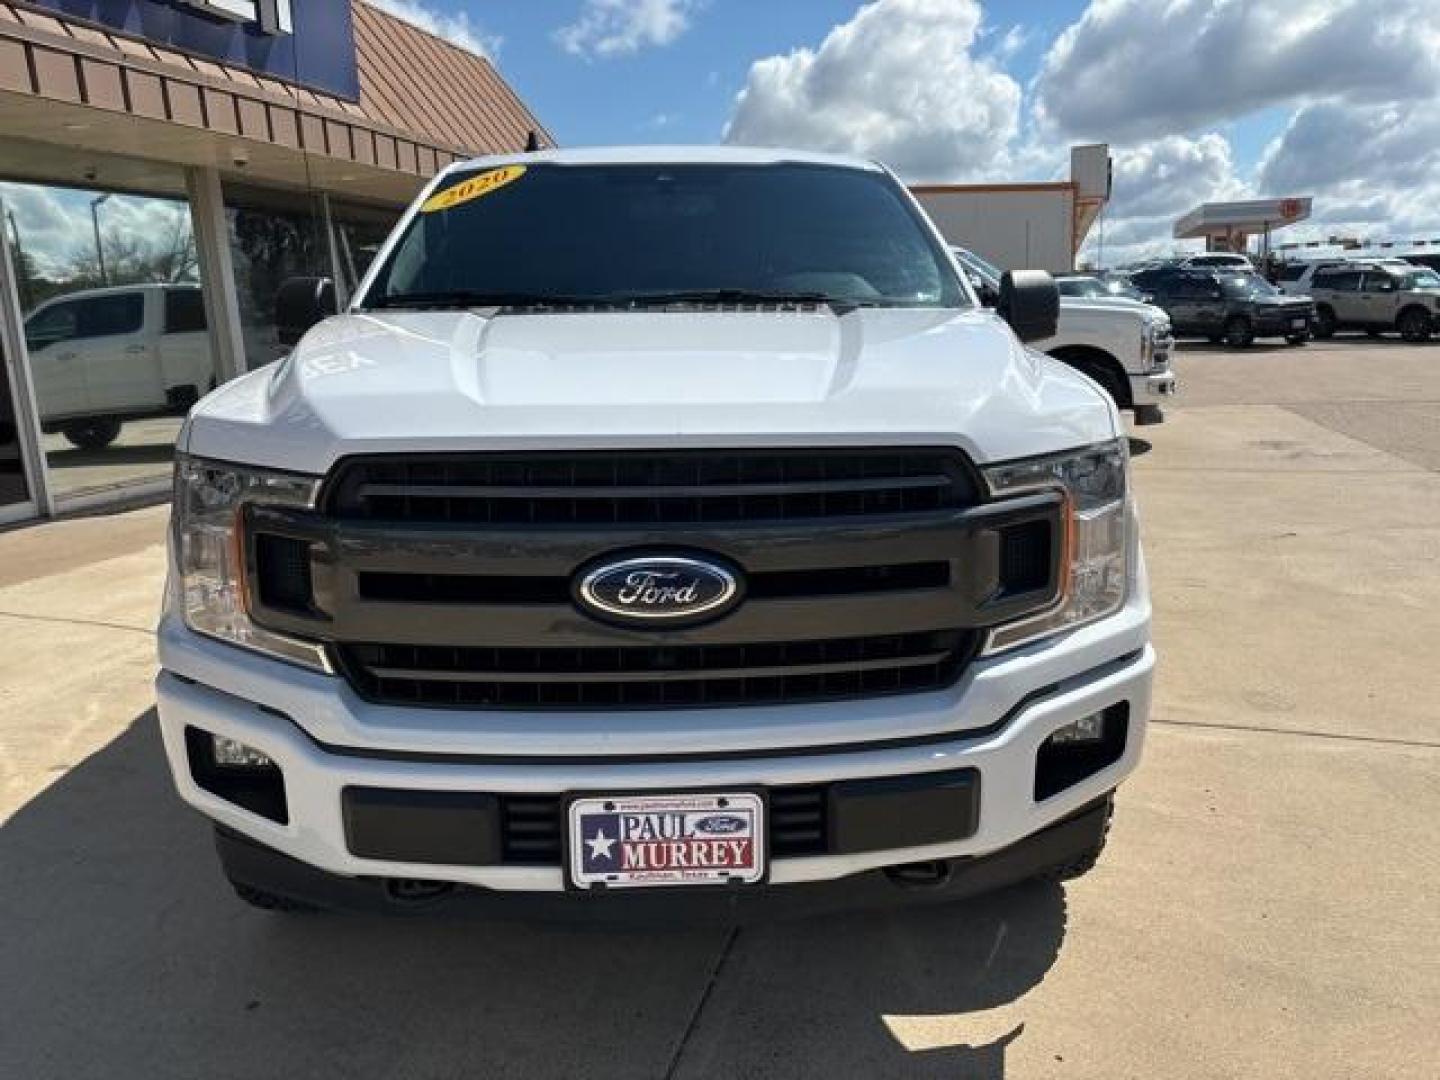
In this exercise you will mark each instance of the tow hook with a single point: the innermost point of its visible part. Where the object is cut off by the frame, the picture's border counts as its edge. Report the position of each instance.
(417, 890)
(920, 875)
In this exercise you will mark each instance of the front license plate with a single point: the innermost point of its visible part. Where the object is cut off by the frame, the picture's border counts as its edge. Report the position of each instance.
(635, 841)
(1297, 324)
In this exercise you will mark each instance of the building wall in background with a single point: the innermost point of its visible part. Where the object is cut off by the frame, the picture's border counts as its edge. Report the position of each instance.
(1015, 226)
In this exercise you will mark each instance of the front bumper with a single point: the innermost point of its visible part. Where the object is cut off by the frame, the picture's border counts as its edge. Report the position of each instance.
(1057, 850)
(1155, 387)
(1031, 695)
(1282, 323)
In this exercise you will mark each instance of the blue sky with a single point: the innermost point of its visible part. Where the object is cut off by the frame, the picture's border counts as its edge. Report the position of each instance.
(685, 91)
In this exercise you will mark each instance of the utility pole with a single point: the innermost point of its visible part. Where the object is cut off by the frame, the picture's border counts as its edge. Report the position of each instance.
(99, 247)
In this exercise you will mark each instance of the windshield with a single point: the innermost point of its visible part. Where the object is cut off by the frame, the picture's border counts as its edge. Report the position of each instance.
(1082, 286)
(630, 234)
(1248, 285)
(1422, 279)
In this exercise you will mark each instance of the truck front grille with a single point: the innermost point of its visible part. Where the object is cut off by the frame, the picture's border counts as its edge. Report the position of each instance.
(659, 675)
(449, 581)
(648, 488)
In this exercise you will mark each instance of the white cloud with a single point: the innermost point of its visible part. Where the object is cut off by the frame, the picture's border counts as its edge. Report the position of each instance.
(454, 27)
(901, 82)
(1374, 169)
(1130, 70)
(923, 85)
(620, 27)
(1155, 183)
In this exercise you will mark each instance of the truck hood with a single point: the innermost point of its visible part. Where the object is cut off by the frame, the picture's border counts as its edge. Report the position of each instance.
(1111, 303)
(462, 380)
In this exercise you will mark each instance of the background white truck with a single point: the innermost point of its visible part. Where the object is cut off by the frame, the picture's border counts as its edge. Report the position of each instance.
(100, 357)
(1124, 345)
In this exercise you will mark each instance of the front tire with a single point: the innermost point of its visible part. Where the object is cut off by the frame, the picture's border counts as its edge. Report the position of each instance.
(95, 433)
(1083, 862)
(1324, 322)
(1239, 333)
(1414, 325)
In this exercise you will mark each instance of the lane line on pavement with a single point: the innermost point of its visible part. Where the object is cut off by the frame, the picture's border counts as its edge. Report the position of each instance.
(1379, 740)
(149, 631)
(694, 1022)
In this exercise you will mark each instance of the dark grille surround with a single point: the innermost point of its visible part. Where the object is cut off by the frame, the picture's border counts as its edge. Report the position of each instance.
(446, 581)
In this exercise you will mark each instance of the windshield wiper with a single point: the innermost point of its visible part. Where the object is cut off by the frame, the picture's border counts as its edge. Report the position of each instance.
(461, 298)
(734, 296)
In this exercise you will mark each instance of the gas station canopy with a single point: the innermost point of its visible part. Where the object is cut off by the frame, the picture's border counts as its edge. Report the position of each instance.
(1227, 226)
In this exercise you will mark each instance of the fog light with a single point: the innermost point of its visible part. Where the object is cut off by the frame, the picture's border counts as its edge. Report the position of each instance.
(235, 754)
(1088, 729)
(1081, 749)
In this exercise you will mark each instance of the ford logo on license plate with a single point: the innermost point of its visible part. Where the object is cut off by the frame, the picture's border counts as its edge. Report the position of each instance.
(650, 588)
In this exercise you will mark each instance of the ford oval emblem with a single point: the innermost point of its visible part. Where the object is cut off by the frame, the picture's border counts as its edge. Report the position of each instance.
(654, 588)
(721, 824)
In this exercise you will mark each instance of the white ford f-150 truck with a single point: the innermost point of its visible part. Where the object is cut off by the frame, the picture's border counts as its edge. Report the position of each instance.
(1124, 345)
(655, 527)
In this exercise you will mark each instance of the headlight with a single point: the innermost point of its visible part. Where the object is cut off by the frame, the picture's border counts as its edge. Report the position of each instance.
(1096, 535)
(210, 500)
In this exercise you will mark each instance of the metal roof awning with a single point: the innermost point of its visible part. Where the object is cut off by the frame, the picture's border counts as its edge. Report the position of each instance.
(70, 86)
(1243, 218)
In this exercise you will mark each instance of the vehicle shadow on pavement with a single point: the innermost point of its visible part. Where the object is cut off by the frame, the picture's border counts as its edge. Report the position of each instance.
(125, 954)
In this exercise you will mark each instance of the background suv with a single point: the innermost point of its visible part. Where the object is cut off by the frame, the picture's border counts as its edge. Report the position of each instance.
(1229, 307)
(1376, 297)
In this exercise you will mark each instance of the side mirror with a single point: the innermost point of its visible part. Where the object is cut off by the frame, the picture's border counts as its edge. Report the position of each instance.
(1030, 303)
(300, 304)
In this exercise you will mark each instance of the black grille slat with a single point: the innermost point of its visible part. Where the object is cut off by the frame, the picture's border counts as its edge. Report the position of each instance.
(657, 676)
(641, 487)
(400, 587)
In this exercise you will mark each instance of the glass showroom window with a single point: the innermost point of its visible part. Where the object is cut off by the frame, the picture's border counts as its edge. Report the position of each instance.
(274, 235)
(114, 325)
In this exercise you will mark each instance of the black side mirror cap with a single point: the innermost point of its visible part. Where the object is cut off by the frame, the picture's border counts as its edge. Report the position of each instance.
(300, 303)
(1030, 303)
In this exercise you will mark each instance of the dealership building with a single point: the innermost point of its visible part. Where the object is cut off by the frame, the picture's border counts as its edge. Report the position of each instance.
(164, 165)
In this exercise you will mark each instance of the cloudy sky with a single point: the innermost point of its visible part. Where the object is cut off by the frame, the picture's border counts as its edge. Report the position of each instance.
(1200, 99)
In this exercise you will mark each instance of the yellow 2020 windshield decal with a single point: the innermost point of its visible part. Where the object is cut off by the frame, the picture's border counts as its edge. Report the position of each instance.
(473, 188)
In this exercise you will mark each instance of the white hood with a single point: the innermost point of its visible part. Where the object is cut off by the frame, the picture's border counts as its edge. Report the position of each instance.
(462, 380)
(1113, 303)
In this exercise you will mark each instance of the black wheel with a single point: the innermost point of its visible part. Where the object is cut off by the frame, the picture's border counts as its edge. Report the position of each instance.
(1414, 325)
(93, 434)
(1109, 379)
(266, 901)
(1239, 333)
(1084, 861)
(1324, 322)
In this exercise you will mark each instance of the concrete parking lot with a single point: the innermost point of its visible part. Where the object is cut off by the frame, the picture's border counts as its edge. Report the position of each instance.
(1267, 907)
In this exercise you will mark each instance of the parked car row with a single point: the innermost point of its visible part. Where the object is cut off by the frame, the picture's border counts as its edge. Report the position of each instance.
(1222, 297)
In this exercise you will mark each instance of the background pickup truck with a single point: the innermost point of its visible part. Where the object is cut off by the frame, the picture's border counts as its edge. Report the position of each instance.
(1124, 345)
(100, 357)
